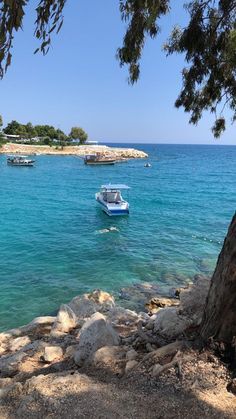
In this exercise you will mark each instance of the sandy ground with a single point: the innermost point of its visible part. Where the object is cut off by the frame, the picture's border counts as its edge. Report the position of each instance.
(62, 390)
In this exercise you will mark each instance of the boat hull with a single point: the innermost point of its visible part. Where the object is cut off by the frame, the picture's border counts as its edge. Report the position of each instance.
(20, 164)
(99, 163)
(113, 210)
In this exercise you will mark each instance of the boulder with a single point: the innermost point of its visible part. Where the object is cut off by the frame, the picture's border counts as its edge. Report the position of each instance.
(82, 307)
(169, 323)
(38, 325)
(52, 353)
(65, 321)
(86, 305)
(95, 333)
(120, 315)
(102, 298)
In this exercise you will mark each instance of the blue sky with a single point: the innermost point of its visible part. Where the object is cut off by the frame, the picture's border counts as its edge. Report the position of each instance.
(80, 82)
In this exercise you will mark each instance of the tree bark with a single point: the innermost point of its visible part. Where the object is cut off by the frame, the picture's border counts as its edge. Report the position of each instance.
(219, 319)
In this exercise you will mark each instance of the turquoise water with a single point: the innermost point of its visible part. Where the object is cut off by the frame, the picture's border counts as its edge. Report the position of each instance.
(52, 246)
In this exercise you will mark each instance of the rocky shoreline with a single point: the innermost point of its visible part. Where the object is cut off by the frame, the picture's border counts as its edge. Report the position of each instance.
(118, 153)
(96, 347)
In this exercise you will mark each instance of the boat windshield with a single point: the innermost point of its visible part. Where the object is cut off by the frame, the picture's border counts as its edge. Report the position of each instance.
(112, 196)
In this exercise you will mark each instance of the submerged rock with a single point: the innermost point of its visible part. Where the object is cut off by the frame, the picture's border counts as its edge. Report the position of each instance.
(95, 333)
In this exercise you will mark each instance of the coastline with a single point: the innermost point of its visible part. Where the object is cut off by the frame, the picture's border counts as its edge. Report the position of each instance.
(123, 153)
(94, 346)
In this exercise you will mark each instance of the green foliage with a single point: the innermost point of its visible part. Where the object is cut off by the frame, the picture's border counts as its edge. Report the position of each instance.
(208, 43)
(78, 133)
(142, 17)
(46, 141)
(1, 121)
(29, 131)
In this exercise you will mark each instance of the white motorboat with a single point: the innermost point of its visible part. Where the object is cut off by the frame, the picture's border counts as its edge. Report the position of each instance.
(20, 161)
(111, 201)
(147, 165)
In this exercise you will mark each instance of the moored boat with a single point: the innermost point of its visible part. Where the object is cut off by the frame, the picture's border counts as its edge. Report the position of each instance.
(98, 159)
(20, 161)
(111, 200)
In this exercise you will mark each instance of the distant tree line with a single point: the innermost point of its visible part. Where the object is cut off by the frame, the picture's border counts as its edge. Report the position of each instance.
(47, 134)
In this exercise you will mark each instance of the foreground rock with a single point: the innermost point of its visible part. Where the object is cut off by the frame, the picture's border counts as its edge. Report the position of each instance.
(65, 321)
(96, 333)
(172, 322)
(127, 364)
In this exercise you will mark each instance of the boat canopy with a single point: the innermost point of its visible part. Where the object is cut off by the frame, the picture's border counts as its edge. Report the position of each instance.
(18, 156)
(114, 186)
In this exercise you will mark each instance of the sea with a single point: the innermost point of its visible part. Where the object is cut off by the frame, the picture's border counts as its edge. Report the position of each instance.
(55, 242)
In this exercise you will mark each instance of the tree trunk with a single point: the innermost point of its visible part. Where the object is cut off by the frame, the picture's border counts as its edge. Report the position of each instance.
(219, 320)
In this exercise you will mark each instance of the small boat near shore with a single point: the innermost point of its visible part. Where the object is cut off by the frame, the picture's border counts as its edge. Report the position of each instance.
(20, 161)
(99, 159)
(111, 200)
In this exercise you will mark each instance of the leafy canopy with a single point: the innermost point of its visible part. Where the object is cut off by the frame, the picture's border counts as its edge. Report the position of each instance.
(208, 43)
(78, 133)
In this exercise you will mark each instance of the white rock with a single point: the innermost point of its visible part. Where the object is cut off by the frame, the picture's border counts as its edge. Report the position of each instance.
(120, 315)
(19, 343)
(131, 355)
(170, 323)
(130, 365)
(65, 321)
(82, 306)
(52, 353)
(86, 305)
(95, 333)
(36, 325)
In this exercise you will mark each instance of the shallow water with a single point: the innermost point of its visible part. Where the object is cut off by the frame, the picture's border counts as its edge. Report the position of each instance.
(52, 239)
